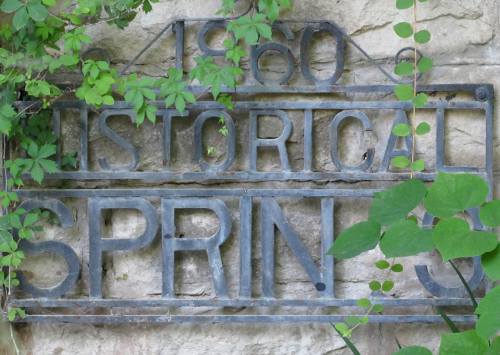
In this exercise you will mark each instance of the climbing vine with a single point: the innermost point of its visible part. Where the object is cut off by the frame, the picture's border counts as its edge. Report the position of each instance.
(41, 38)
(393, 224)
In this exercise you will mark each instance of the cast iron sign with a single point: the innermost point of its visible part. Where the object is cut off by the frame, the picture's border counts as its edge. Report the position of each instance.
(160, 205)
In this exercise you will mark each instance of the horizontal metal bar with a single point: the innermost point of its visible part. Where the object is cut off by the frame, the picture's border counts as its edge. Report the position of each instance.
(319, 105)
(291, 105)
(329, 89)
(339, 89)
(238, 176)
(120, 319)
(175, 193)
(231, 303)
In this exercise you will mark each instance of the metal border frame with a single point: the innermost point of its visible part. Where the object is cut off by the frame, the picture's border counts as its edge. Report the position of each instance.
(323, 277)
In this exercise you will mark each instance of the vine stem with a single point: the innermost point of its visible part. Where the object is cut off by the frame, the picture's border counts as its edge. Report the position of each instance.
(346, 340)
(415, 77)
(464, 282)
(448, 321)
(13, 339)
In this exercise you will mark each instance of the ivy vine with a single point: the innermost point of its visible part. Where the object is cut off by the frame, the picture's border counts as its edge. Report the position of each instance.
(40, 39)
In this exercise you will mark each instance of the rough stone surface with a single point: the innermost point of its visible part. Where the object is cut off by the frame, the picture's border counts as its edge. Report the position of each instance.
(466, 49)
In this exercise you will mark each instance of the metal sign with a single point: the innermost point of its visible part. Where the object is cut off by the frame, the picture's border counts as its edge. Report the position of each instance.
(160, 205)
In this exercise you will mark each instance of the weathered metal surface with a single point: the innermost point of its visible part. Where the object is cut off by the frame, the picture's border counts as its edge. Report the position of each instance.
(160, 220)
(321, 277)
(350, 110)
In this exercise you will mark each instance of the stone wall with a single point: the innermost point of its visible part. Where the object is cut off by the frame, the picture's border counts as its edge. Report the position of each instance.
(466, 49)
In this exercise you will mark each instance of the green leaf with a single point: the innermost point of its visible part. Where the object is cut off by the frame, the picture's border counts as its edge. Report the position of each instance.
(420, 100)
(265, 30)
(37, 173)
(15, 221)
(108, 100)
(404, 92)
(395, 203)
(422, 36)
(404, 69)
(403, 29)
(9, 6)
(355, 240)
(234, 53)
(405, 238)
(250, 28)
(227, 101)
(7, 114)
(425, 64)
(401, 130)
(37, 11)
(343, 329)
(489, 314)
(491, 264)
(404, 4)
(21, 312)
(418, 165)
(375, 285)
(465, 343)
(49, 166)
(387, 285)
(47, 150)
(413, 350)
(382, 264)
(397, 268)
(423, 128)
(400, 162)
(453, 193)
(180, 104)
(30, 219)
(378, 308)
(227, 7)
(5, 125)
(20, 19)
(49, 3)
(490, 214)
(454, 239)
(364, 303)
(272, 8)
(352, 321)
(11, 314)
(151, 113)
(189, 97)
